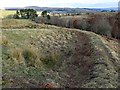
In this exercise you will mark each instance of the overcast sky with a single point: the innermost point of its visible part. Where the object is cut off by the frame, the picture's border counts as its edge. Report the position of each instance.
(59, 3)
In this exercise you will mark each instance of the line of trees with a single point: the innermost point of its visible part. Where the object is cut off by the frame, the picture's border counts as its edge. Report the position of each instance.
(25, 14)
(100, 24)
(45, 14)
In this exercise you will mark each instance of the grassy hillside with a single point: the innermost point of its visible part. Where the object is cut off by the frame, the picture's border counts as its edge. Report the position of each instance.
(58, 57)
(18, 23)
(45, 56)
(22, 24)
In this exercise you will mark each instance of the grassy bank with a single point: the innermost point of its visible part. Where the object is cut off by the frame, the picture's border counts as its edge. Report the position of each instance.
(58, 57)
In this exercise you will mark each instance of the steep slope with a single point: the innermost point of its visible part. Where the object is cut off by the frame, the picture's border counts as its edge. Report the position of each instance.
(60, 58)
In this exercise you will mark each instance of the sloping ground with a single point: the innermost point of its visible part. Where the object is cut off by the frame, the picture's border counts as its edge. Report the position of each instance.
(59, 58)
(20, 24)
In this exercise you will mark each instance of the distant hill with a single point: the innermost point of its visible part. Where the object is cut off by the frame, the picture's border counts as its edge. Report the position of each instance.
(12, 8)
(67, 10)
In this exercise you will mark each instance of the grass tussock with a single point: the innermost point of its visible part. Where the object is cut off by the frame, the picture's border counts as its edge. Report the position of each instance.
(51, 59)
(16, 55)
(29, 56)
(4, 41)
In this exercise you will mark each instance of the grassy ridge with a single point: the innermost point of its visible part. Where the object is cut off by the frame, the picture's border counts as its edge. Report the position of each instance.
(36, 57)
(17, 24)
(23, 24)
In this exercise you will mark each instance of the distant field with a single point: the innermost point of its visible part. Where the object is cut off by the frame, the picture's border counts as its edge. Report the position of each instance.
(75, 17)
(39, 13)
(5, 13)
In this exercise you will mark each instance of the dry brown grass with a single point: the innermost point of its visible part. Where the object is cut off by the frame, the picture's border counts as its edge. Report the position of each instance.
(16, 55)
(30, 56)
(4, 41)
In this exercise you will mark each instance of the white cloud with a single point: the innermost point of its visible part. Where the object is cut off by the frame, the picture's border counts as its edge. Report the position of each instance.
(48, 3)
